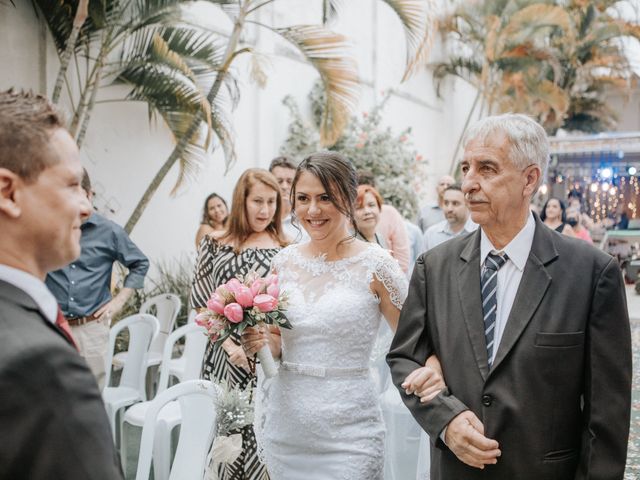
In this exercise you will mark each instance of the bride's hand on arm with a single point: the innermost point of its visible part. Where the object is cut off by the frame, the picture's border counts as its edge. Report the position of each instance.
(254, 338)
(425, 382)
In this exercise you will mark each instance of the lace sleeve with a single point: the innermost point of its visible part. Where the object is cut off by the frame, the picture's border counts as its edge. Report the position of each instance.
(388, 271)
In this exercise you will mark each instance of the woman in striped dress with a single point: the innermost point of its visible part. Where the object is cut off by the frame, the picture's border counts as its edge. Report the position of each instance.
(254, 235)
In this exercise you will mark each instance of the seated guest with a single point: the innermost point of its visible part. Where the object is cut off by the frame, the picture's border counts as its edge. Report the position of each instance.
(368, 208)
(456, 222)
(53, 424)
(575, 221)
(554, 216)
(214, 217)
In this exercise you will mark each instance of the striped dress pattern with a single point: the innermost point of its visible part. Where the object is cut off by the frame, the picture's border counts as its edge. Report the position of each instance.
(218, 263)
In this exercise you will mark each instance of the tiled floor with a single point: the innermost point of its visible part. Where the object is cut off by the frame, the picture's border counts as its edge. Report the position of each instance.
(633, 454)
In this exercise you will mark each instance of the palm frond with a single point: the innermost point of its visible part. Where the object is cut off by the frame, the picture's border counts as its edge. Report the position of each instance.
(330, 10)
(202, 51)
(526, 23)
(257, 72)
(419, 26)
(326, 51)
(466, 68)
(161, 51)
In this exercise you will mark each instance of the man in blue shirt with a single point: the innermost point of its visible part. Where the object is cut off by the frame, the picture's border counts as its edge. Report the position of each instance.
(83, 288)
(456, 222)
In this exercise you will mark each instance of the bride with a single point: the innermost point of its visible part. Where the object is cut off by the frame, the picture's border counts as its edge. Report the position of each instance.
(321, 418)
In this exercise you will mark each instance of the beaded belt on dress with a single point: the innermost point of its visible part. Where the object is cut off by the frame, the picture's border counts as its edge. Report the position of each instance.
(317, 371)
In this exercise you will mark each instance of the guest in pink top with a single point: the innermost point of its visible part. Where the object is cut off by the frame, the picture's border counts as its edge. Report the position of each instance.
(390, 226)
(573, 219)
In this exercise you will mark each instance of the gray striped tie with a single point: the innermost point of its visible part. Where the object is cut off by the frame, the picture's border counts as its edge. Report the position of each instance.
(489, 285)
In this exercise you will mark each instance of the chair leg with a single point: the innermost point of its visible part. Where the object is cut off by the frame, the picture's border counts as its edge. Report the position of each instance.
(162, 452)
(123, 449)
(112, 423)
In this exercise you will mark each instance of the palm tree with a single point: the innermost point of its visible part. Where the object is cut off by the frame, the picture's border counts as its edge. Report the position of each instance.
(544, 58)
(498, 47)
(325, 50)
(594, 64)
(135, 42)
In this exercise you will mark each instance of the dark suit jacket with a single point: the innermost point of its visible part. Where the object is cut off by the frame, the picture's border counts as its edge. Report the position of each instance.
(557, 398)
(53, 423)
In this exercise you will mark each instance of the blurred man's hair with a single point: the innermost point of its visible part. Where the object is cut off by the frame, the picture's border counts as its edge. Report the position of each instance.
(456, 186)
(27, 121)
(365, 177)
(284, 162)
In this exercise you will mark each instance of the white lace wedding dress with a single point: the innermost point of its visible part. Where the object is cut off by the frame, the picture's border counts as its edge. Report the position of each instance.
(319, 418)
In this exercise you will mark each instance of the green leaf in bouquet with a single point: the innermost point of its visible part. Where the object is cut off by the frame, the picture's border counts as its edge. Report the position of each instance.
(242, 326)
(284, 322)
(224, 334)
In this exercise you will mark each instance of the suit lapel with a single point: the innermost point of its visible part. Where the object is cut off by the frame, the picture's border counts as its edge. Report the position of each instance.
(533, 286)
(13, 294)
(470, 299)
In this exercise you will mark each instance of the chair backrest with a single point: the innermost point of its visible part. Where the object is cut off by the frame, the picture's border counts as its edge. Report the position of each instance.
(192, 332)
(197, 429)
(143, 328)
(192, 316)
(165, 307)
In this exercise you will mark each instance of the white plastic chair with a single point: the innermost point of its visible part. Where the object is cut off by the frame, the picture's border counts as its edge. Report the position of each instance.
(192, 347)
(170, 416)
(165, 307)
(196, 398)
(143, 328)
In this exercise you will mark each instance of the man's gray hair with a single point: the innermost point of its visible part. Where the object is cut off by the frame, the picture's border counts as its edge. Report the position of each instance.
(528, 142)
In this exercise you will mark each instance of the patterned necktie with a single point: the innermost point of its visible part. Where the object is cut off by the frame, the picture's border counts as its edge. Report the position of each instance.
(64, 327)
(489, 285)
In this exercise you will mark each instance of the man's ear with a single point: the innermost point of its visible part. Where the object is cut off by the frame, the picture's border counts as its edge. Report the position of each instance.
(9, 183)
(532, 180)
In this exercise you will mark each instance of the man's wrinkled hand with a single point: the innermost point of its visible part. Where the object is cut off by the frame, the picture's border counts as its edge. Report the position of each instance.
(465, 438)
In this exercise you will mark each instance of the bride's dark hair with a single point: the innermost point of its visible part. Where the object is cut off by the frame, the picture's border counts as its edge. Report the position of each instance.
(338, 177)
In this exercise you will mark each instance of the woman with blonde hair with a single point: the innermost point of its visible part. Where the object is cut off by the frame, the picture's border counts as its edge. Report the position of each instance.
(253, 237)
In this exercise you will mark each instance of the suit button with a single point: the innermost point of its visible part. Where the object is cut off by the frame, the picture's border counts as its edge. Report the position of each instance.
(486, 400)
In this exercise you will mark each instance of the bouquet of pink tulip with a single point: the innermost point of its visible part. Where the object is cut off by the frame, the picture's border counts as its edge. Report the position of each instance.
(242, 303)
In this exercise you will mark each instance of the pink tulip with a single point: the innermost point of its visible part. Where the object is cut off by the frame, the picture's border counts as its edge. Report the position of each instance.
(233, 285)
(271, 279)
(244, 296)
(265, 303)
(222, 291)
(258, 286)
(217, 325)
(234, 312)
(273, 290)
(202, 319)
(216, 304)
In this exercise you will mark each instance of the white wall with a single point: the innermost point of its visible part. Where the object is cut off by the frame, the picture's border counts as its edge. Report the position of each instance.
(122, 152)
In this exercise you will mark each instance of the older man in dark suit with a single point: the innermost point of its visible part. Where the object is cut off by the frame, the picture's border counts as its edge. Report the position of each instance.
(531, 329)
(52, 420)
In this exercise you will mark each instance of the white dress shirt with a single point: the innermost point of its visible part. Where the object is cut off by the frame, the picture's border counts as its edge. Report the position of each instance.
(441, 232)
(509, 276)
(34, 287)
